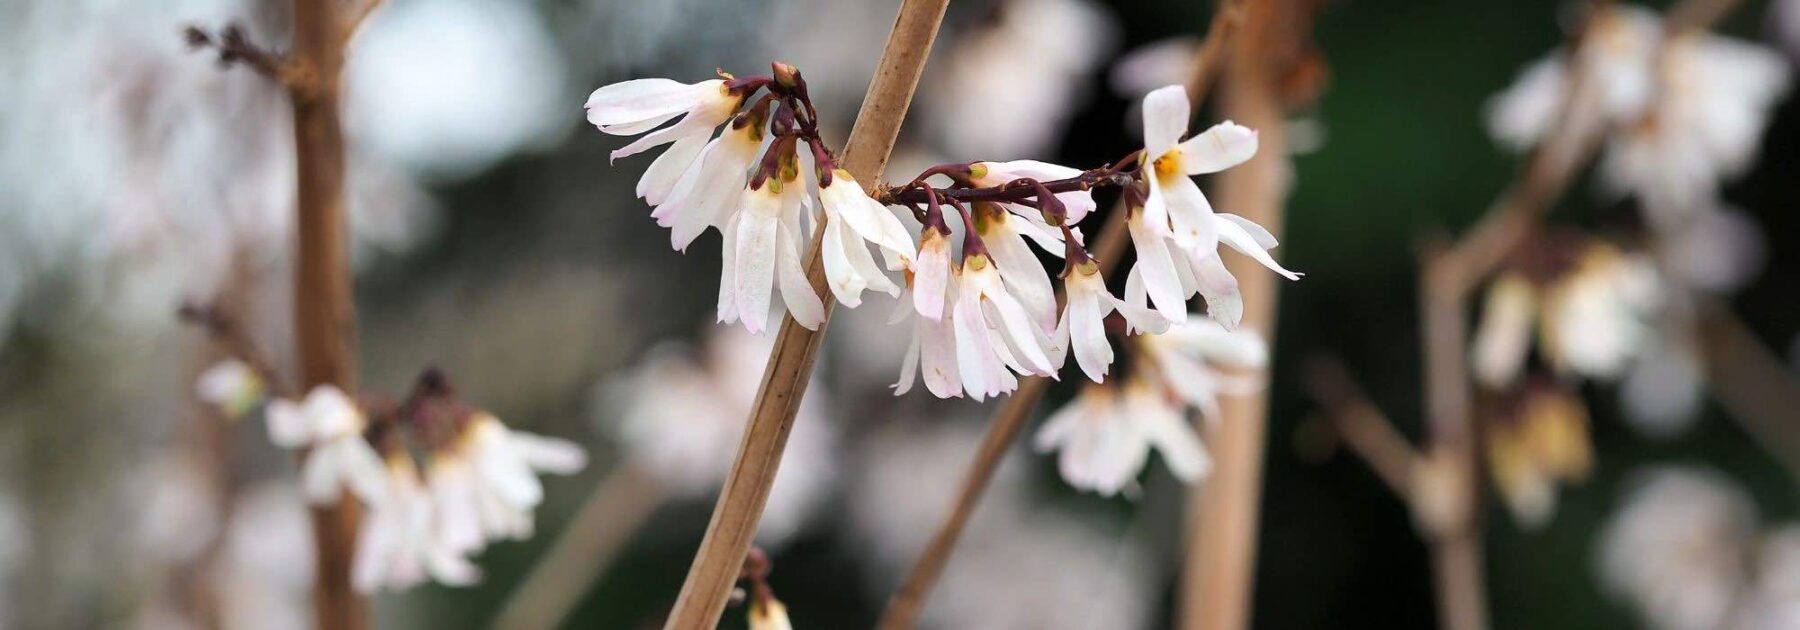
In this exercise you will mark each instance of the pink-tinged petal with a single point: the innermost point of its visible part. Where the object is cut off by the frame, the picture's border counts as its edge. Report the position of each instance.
(631, 103)
(660, 179)
(1158, 271)
(1165, 119)
(1223, 302)
(1225, 145)
(1233, 234)
(931, 277)
(756, 236)
(802, 303)
(1190, 215)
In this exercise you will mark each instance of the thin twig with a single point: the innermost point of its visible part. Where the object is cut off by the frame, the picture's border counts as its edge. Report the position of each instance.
(1754, 385)
(354, 21)
(618, 506)
(1361, 424)
(908, 601)
(728, 535)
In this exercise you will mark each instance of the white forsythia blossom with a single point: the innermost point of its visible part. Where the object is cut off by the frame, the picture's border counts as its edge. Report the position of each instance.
(232, 386)
(1593, 320)
(932, 354)
(1677, 548)
(1083, 323)
(1175, 209)
(485, 481)
(1105, 435)
(854, 220)
(1003, 234)
(709, 191)
(398, 546)
(330, 426)
(761, 251)
(995, 337)
(1680, 115)
(633, 107)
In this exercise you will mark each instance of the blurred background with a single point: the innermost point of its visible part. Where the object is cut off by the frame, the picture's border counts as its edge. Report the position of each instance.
(493, 240)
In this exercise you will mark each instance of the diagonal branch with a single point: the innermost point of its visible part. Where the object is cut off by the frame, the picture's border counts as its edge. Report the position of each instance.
(733, 526)
(1361, 424)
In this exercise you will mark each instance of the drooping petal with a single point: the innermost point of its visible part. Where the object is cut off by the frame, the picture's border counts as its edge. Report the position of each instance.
(549, 455)
(643, 100)
(727, 308)
(1165, 119)
(932, 275)
(756, 252)
(1157, 268)
(1223, 302)
(796, 292)
(1225, 145)
(1166, 430)
(846, 284)
(1232, 233)
(1087, 330)
(1025, 277)
(660, 179)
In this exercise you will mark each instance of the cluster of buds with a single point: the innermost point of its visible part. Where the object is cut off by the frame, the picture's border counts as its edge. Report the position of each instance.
(983, 315)
(440, 478)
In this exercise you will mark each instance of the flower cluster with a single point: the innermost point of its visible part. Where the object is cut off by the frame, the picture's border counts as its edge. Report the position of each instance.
(478, 483)
(983, 315)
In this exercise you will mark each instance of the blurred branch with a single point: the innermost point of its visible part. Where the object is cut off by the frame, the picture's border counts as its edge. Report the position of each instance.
(1270, 69)
(1362, 426)
(1753, 383)
(234, 47)
(225, 328)
(733, 526)
(908, 601)
(620, 503)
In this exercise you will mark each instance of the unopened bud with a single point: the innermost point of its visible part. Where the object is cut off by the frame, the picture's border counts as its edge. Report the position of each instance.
(786, 75)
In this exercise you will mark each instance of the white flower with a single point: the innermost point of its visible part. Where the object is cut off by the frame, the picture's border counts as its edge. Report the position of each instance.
(1083, 324)
(1175, 206)
(995, 334)
(1105, 436)
(485, 482)
(854, 220)
(330, 426)
(931, 274)
(1003, 235)
(762, 247)
(1078, 202)
(1675, 550)
(1596, 320)
(1616, 59)
(232, 386)
(634, 107)
(1184, 356)
(707, 192)
(398, 547)
(932, 353)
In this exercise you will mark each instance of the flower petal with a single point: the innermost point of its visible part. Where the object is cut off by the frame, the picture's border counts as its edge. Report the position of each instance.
(1233, 234)
(1225, 145)
(1165, 119)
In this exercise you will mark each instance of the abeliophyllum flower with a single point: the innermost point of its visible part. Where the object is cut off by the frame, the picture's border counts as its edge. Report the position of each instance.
(637, 106)
(1104, 436)
(995, 335)
(930, 291)
(1176, 232)
(762, 245)
(398, 545)
(330, 426)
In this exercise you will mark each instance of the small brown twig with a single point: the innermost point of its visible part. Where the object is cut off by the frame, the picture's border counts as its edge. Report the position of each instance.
(733, 525)
(1363, 427)
(354, 21)
(908, 601)
(234, 47)
(226, 329)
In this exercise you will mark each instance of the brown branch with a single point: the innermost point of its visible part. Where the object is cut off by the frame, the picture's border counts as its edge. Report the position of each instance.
(354, 21)
(908, 601)
(618, 506)
(729, 534)
(234, 47)
(1222, 510)
(1753, 384)
(1361, 424)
